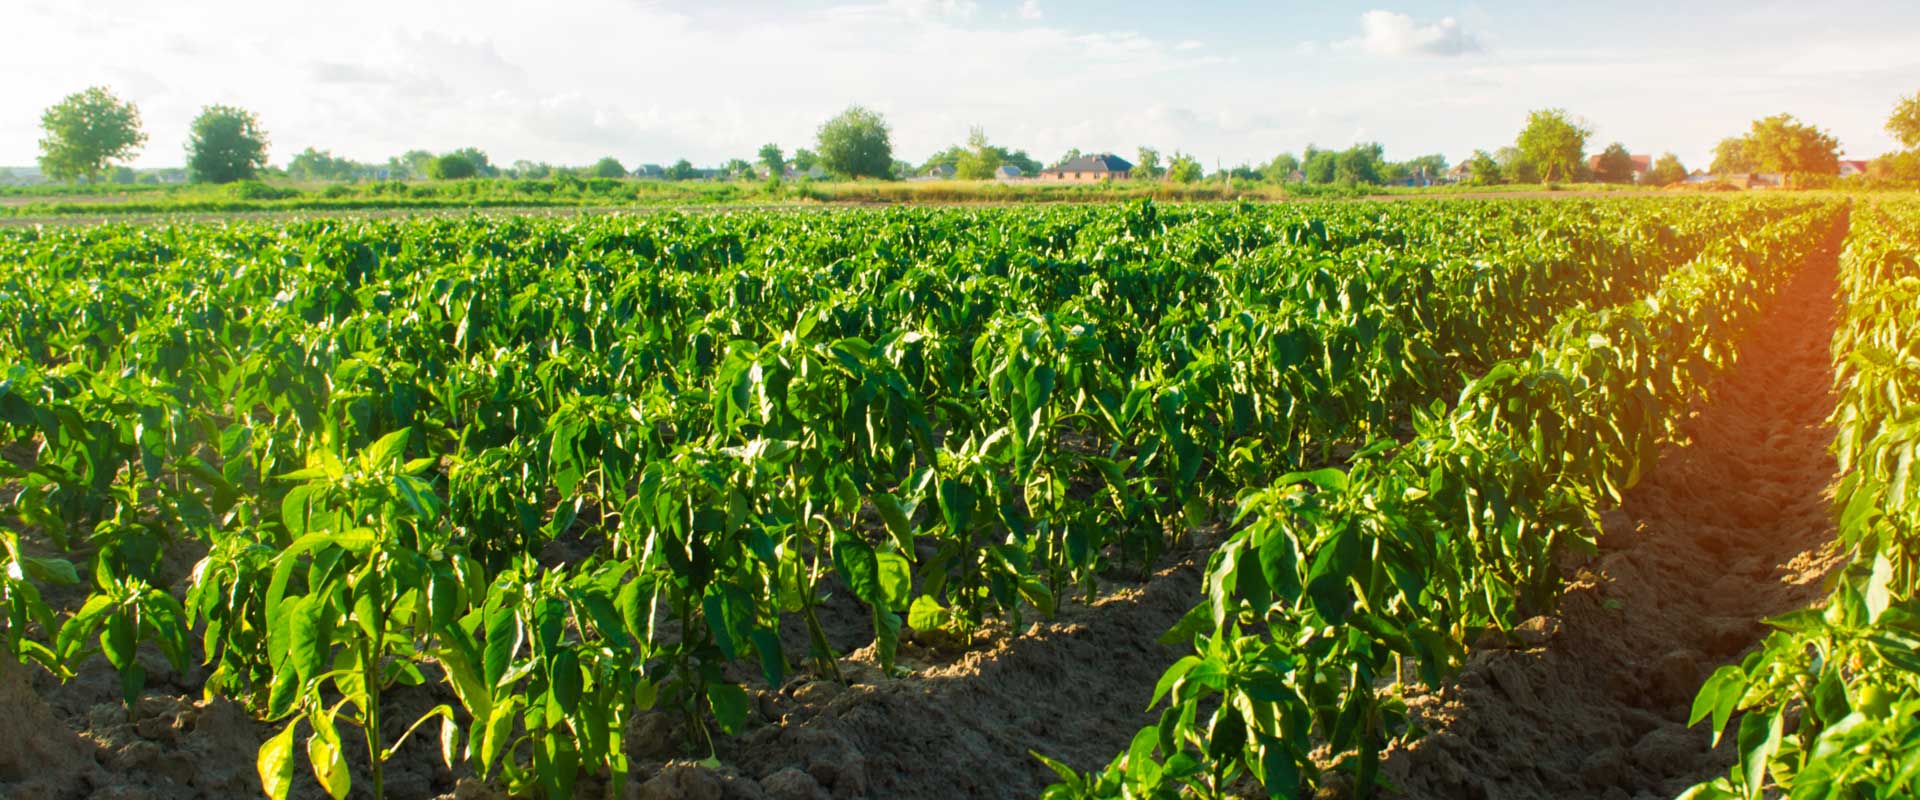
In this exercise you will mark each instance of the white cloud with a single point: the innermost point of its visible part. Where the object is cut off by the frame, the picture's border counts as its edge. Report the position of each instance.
(1030, 10)
(1389, 33)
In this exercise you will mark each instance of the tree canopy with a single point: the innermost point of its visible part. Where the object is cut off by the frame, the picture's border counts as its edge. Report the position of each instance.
(452, 167)
(773, 159)
(87, 131)
(979, 160)
(1615, 165)
(1904, 123)
(226, 144)
(1554, 143)
(1147, 164)
(1730, 156)
(608, 167)
(320, 165)
(1183, 168)
(1780, 144)
(857, 144)
(1667, 170)
(1282, 167)
(1482, 169)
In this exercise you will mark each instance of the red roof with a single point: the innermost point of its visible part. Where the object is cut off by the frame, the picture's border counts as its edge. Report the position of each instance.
(1640, 163)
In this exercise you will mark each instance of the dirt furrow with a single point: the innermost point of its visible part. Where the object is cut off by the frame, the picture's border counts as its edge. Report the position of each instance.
(1731, 527)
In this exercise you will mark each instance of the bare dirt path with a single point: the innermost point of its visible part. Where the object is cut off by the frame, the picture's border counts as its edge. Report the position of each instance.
(964, 724)
(1731, 527)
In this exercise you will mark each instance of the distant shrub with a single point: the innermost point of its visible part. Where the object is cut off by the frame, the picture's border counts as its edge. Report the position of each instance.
(255, 190)
(452, 167)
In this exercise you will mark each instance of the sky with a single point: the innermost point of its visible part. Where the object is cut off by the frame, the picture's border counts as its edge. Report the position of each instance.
(651, 81)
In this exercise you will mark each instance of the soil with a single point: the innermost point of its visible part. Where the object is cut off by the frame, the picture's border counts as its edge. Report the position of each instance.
(1731, 527)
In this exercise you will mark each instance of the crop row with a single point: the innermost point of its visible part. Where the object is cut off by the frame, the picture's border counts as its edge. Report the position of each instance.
(377, 432)
(1830, 705)
(1338, 580)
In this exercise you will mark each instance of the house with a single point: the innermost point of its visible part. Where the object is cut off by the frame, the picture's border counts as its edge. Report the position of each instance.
(812, 172)
(1849, 169)
(1006, 172)
(1088, 169)
(1460, 173)
(1641, 166)
(649, 171)
(938, 172)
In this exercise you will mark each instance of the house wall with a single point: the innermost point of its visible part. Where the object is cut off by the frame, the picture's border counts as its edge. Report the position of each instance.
(1082, 177)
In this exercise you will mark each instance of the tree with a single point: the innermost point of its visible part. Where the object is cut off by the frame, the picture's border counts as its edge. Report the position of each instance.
(608, 167)
(1147, 165)
(1320, 166)
(1730, 156)
(1902, 167)
(1904, 124)
(1071, 154)
(225, 145)
(1282, 167)
(774, 160)
(409, 165)
(739, 168)
(452, 167)
(979, 160)
(1361, 163)
(1666, 171)
(1246, 172)
(803, 159)
(857, 144)
(1482, 169)
(482, 166)
(1785, 145)
(1430, 167)
(85, 132)
(320, 165)
(1554, 143)
(1515, 166)
(682, 170)
(1184, 168)
(532, 170)
(1615, 165)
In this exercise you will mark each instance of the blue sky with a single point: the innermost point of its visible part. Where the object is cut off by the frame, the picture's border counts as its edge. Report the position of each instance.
(651, 81)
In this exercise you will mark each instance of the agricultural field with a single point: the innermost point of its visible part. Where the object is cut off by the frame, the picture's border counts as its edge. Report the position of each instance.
(1438, 498)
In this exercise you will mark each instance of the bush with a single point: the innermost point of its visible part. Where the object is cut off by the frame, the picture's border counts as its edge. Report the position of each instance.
(255, 190)
(452, 167)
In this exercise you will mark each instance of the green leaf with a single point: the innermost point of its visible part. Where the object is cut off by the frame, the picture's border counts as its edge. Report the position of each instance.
(1171, 678)
(309, 644)
(449, 740)
(899, 526)
(1279, 772)
(276, 763)
(503, 639)
(729, 703)
(896, 579)
(1879, 594)
(564, 675)
(927, 614)
(389, 449)
(329, 762)
(119, 639)
(1758, 740)
(50, 570)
